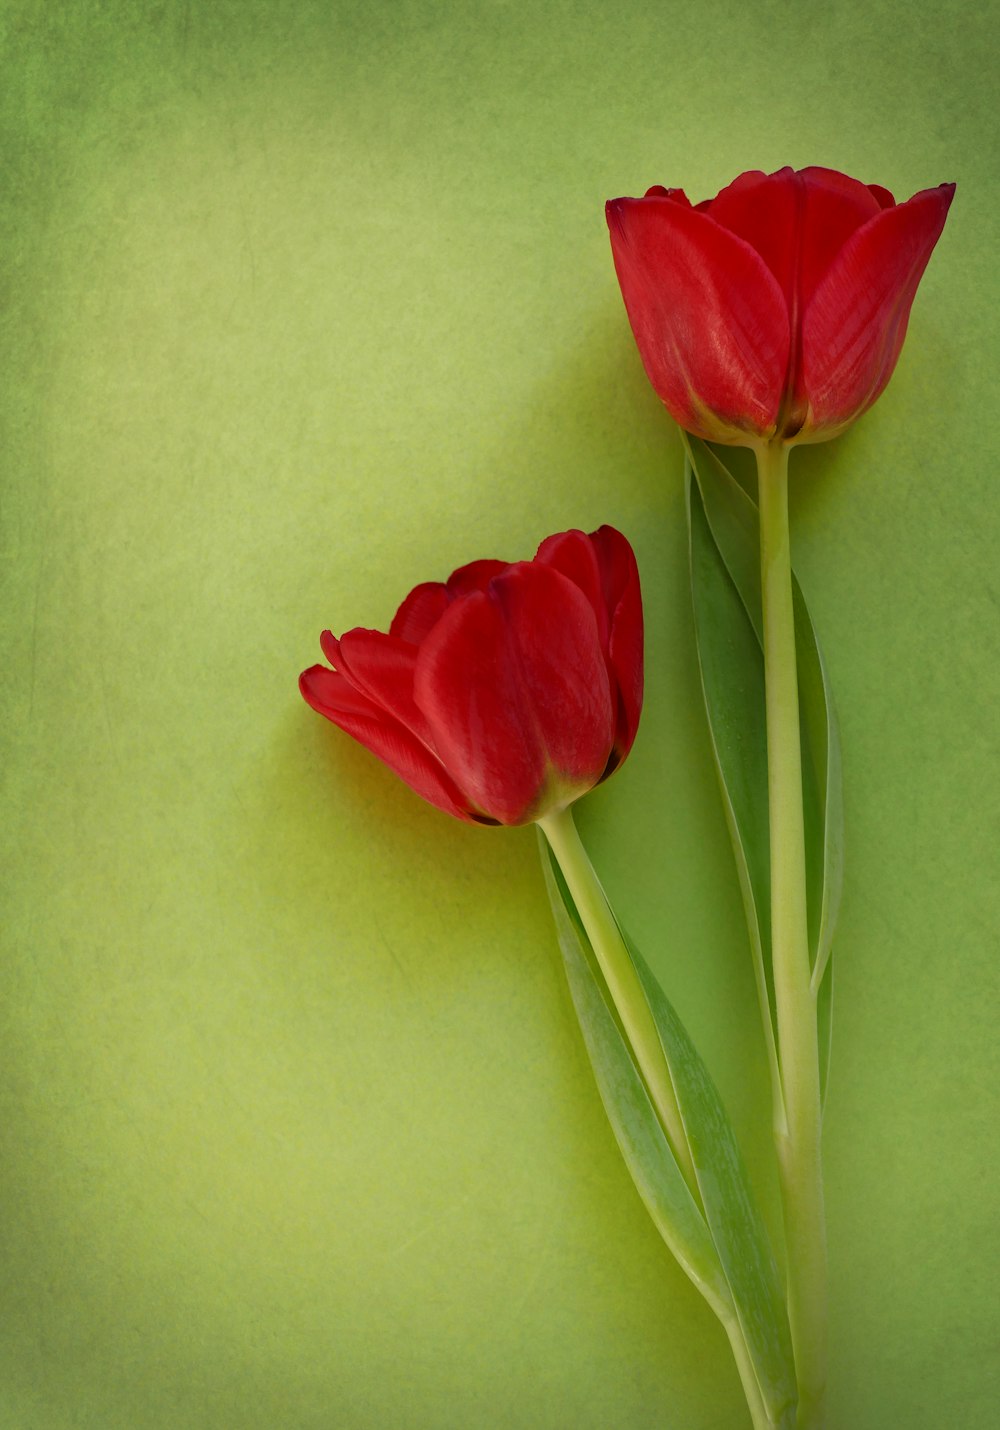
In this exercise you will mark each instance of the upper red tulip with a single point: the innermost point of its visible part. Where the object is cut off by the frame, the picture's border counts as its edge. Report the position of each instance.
(778, 308)
(506, 691)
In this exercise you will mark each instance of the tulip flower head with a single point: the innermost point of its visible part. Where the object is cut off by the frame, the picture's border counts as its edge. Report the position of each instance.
(777, 310)
(505, 692)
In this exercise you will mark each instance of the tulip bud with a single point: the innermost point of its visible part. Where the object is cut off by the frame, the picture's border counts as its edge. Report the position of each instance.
(776, 310)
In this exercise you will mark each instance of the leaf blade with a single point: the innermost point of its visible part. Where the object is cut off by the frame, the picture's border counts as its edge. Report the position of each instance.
(744, 1282)
(637, 1130)
(733, 1216)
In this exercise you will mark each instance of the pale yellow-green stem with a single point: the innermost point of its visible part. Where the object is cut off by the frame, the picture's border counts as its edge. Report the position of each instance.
(798, 1146)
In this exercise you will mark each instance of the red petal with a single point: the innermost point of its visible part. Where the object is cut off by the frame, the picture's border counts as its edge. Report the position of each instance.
(657, 191)
(854, 327)
(797, 222)
(573, 553)
(332, 695)
(708, 316)
(418, 614)
(476, 576)
(883, 196)
(426, 604)
(467, 684)
(562, 666)
(616, 564)
(382, 668)
(513, 683)
(620, 579)
(746, 181)
(603, 566)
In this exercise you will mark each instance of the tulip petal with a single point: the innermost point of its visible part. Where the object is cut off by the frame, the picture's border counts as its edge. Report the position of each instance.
(515, 689)
(476, 576)
(708, 316)
(426, 604)
(616, 563)
(467, 683)
(853, 329)
(333, 695)
(562, 666)
(884, 196)
(657, 191)
(797, 221)
(603, 566)
(382, 668)
(418, 614)
(622, 593)
(573, 553)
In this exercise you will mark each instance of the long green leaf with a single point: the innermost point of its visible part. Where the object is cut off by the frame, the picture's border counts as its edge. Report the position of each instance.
(732, 677)
(733, 1215)
(633, 1119)
(725, 580)
(747, 1279)
(821, 738)
(824, 813)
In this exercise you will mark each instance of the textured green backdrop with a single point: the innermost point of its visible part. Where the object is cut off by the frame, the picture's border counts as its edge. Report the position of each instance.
(307, 303)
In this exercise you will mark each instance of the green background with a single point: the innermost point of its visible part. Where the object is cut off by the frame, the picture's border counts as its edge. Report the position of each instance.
(306, 303)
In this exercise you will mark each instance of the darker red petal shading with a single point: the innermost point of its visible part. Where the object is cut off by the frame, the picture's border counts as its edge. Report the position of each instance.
(420, 611)
(883, 196)
(623, 595)
(603, 566)
(427, 603)
(476, 576)
(657, 191)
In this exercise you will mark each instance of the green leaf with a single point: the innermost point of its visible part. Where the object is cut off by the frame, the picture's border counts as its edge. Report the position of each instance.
(821, 743)
(732, 676)
(725, 1238)
(633, 1119)
(824, 818)
(733, 1216)
(725, 582)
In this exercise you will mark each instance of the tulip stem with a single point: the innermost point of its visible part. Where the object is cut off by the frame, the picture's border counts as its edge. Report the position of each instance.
(622, 980)
(798, 1144)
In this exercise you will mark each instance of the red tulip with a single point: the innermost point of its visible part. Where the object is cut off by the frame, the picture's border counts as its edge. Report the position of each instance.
(505, 692)
(778, 308)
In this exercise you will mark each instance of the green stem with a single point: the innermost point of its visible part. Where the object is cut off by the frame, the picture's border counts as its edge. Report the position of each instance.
(798, 1147)
(623, 982)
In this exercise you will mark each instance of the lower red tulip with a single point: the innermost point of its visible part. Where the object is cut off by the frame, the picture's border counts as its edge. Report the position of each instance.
(505, 692)
(776, 310)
